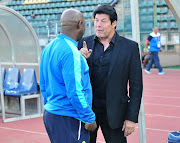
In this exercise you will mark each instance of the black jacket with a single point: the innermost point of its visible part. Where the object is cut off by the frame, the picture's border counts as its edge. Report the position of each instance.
(125, 67)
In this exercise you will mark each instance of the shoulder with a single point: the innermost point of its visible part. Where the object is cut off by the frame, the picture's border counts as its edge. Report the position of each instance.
(126, 40)
(88, 39)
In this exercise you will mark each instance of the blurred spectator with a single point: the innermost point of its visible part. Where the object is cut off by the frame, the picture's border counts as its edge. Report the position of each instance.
(146, 55)
(154, 40)
(113, 2)
(32, 17)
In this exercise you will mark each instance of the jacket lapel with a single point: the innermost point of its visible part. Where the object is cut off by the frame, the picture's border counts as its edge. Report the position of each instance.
(115, 54)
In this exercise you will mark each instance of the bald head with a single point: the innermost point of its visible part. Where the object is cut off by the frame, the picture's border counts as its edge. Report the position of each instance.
(72, 22)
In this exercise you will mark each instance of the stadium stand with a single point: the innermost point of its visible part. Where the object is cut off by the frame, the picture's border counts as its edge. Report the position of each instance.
(51, 9)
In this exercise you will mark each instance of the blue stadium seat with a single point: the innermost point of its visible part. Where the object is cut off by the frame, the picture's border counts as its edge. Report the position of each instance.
(173, 25)
(158, 10)
(164, 25)
(171, 17)
(162, 3)
(149, 3)
(143, 11)
(164, 10)
(150, 10)
(12, 78)
(164, 18)
(27, 84)
(3, 73)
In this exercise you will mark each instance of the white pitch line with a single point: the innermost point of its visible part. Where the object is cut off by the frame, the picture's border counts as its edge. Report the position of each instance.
(162, 116)
(159, 130)
(163, 90)
(162, 105)
(23, 131)
(158, 85)
(162, 96)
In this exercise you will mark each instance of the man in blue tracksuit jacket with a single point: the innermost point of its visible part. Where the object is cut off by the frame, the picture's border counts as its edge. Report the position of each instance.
(65, 84)
(154, 40)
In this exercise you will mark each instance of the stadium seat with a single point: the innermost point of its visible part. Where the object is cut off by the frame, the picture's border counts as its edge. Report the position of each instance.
(171, 17)
(158, 18)
(27, 89)
(173, 25)
(162, 3)
(164, 10)
(164, 25)
(158, 10)
(143, 11)
(149, 3)
(12, 78)
(150, 11)
(27, 84)
(164, 18)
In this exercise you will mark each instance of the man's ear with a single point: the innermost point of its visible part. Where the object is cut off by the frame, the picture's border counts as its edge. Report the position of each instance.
(114, 24)
(79, 24)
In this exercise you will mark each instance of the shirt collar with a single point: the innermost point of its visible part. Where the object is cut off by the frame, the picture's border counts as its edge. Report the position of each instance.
(67, 37)
(113, 40)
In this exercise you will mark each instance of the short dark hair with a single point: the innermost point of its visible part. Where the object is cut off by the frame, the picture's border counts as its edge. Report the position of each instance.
(106, 9)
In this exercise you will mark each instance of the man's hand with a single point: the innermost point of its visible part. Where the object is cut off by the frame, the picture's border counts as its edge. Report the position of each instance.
(84, 51)
(161, 49)
(128, 127)
(91, 127)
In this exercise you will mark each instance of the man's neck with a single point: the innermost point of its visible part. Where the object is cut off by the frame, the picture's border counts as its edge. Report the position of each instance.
(106, 40)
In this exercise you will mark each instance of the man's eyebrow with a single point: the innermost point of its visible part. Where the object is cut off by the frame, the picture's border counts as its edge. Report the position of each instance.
(102, 19)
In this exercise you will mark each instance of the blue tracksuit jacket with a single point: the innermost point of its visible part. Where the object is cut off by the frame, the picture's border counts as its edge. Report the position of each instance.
(64, 80)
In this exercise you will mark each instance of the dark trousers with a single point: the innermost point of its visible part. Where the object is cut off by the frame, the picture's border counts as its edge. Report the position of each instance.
(154, 59)
(62, 129)
(110, 135)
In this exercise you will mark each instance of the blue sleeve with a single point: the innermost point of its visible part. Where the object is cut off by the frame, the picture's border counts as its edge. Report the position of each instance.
(71, 71)
(149, 38)
(42, 81)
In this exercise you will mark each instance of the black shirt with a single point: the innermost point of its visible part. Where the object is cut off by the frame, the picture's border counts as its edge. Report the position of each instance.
(100, 67)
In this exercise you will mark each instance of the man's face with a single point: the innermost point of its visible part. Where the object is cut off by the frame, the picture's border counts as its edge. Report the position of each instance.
(156, 30)
(103, 26)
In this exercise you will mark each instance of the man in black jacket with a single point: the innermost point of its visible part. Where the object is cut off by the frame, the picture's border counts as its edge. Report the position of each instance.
(115, 70)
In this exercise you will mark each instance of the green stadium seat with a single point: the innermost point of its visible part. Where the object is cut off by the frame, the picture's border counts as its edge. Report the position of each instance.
(150, 11)
(149, 4)
(164, 18)
(162, 3)
(36, 12)
(164, 10)
(171, 17)
(40, 11)
(83, 3)
(143, 11)
(173, 25)
(164, 25)
(45, 11)
(158, 11)
(78, 3)
(52, 5)
(62, 4)
(158, 18)
(38, 6)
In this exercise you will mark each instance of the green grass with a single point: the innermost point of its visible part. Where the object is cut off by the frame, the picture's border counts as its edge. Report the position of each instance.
(174, 67)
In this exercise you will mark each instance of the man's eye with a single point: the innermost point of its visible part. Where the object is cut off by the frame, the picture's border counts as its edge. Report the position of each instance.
(104, 21)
